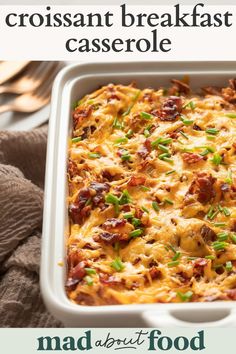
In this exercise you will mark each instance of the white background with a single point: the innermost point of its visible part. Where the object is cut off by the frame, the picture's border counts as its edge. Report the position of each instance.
(49, 43)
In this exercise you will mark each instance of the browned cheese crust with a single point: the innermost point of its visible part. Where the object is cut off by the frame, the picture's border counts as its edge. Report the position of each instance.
(152, 196)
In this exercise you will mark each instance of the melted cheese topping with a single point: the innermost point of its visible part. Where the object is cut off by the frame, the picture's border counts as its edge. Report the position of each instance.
(152, 193)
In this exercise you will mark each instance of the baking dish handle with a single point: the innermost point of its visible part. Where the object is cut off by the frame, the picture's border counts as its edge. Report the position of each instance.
(187, 318)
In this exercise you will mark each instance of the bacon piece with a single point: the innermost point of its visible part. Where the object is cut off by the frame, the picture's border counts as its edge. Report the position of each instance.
(78, 214)
(196, 127)
(229, 93)
(173, 135)
(113, 96)
(145, 149)
(79, 114)
(207, 233)
(170, 109)
(155, 273)
(85, 299)
(72, 169)
(78, 210)
(136, 181)
(181, 86)
(231, 294)
(107, 279)
(198, 266)
(200, 262)
(100, 187)
(138, 213)
(233, 227)
(225, 187)
(109, 237)
(113, 223)
(73, 258)
(191, 158)
(203, 187)
(78, 272)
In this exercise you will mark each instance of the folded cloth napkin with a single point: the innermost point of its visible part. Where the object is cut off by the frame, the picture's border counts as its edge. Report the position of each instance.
(22, 167)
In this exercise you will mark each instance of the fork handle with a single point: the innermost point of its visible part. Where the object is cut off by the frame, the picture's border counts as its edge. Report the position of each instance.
(5, 108)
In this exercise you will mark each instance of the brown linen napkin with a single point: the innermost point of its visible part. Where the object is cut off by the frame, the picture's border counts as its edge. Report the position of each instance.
(22, 167)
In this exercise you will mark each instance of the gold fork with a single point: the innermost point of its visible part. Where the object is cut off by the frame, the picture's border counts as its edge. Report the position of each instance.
(33, 77)
(33, 101)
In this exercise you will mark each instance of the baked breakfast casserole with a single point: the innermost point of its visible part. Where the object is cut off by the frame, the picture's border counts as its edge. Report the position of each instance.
(152, 196)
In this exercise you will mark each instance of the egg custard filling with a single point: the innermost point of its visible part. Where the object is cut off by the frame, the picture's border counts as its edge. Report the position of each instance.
(152, 196)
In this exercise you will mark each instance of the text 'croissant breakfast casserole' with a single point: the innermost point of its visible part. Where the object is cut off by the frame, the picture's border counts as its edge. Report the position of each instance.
(152, 196)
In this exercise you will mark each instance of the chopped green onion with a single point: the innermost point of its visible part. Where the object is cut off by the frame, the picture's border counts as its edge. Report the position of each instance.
(126, 157)
(163, 148)
(229, 178)
(94, 155)
(220, 208)
(163, 141)
(162, 156)
(219, 246)
(90, 271)
(233, 237)
(131, 106)
(222, 236)
(125, 198)
(167, 159)
(172, 248)
(176, 256)
(144, 188)
(117, 265)
(146, 133)
(219, 224)
(191, 258)
(168, 201)
(128, 216)
(185, 296)
(170, 172)
(136, 233)
(121, 141)
(186, 121)
(214, 215)
(112, 199)
(229, 265)
(210, 137)
(210, 149)
(89, 201)
(136, 222)
(226, 211)
(210, 212)
(76, 140)
(184, 135)
(210, 256)
(190, 104)
(116, 124)
(155, 206)
(88, 280)
(129, 133)
(205, 152)
(145, 209)
(146, 116)
(173, 264)
(212, 131)
(217, 159)
(231, 115)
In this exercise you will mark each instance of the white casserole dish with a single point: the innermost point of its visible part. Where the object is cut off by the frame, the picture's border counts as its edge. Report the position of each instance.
(72, 83)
